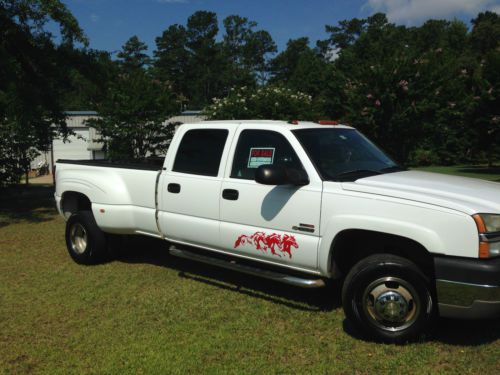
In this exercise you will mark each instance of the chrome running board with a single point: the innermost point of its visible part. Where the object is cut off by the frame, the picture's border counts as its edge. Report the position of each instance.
(232, 265)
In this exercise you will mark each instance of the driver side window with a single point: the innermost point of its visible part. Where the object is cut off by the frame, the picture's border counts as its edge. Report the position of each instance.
(260, 147)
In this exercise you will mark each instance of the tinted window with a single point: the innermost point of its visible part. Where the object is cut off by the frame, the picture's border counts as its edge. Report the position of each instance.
(258, 147)
(200, 152)
(344, 154)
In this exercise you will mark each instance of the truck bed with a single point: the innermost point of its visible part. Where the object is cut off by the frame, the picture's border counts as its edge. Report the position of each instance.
(123, 193)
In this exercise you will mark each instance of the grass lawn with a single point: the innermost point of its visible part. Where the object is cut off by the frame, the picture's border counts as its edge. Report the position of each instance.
(147, 312)
(482, 171)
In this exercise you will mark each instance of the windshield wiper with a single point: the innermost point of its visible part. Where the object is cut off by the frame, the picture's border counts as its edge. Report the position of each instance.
(348, 175)
(394, 168)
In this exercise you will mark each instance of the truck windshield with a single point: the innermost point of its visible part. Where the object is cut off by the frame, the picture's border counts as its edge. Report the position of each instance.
(344, 154)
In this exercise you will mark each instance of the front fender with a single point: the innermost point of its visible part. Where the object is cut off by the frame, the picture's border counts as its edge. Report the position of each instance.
(439, 232)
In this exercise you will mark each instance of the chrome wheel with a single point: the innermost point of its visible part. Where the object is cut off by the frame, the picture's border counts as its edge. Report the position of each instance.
(391, 304)
(78, 238)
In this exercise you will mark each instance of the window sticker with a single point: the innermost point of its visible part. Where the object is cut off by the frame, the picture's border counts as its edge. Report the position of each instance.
(260, 156)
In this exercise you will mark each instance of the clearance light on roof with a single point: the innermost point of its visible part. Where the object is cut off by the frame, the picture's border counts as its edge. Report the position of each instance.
(293, 122)
(328, 122)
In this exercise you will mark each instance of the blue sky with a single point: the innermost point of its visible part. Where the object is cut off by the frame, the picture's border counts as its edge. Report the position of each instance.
(109, 23)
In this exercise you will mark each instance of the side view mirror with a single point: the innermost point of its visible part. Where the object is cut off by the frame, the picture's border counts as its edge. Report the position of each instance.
(269, 174)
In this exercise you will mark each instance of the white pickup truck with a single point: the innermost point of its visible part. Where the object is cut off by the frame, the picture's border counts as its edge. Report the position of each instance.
(302, 203)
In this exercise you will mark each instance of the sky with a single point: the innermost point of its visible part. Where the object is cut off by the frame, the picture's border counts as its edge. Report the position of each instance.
(109, 23)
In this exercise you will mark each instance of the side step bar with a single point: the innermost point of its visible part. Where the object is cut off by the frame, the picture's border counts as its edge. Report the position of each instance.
(287, 279)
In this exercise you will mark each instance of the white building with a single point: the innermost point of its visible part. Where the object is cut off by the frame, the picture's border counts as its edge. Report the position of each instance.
(83, 144)
(187, 117)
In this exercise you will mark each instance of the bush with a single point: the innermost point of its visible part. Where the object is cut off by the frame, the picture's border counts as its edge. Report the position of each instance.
(423, 157)
(270, 102)
(16, 154)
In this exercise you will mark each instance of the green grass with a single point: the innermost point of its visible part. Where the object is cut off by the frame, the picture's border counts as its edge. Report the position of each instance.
(147, 312)
(475, 171)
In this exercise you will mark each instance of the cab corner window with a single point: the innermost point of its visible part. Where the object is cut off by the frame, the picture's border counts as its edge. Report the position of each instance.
(200, 152)
(260, 147)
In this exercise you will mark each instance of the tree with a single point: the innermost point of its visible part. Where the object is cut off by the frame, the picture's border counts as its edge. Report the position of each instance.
(407, 88)
(206, 61)
(135, 108)
(172, 59)
(247, 50)
(302, 68)
(133, 55)
(200, 68)
(343, 35)
(283, 65)
(88, 79)
(485, 35)
(16, 152)
(260, 45)
(238, 30)
(484, 114)
(234, 44)
(33, 76)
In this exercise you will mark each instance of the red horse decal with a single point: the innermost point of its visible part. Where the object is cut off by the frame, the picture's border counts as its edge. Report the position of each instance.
(272, 242)
(288, 242)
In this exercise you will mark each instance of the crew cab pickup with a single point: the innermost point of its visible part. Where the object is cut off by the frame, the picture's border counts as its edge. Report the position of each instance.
(301, 204)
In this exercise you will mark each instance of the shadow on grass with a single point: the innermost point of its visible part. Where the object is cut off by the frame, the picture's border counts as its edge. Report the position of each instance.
(448, 331)
(32, 203)
(475, 169)
(467, 332)
(152, 251)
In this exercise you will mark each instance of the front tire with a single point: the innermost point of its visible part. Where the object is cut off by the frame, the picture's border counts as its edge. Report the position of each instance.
(85, 241)
(389, 298)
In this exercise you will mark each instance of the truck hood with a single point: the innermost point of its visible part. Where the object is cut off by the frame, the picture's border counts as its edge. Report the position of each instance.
(468, 195)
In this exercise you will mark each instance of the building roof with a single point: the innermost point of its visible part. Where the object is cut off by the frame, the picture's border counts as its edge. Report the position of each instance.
(94, 113)
(80, 113)
(190, 113)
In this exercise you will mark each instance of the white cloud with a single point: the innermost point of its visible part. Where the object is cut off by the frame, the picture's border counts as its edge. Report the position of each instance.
(94, 17)
(414, 11)
(495, 8)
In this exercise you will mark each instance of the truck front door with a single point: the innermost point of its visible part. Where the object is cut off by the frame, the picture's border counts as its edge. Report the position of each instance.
(277, 224)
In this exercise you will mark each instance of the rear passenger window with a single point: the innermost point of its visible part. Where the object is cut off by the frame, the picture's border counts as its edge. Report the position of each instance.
(200, 152)
(259, 147)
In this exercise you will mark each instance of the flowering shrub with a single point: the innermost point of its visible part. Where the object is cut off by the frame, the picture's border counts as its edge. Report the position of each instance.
(270, 102)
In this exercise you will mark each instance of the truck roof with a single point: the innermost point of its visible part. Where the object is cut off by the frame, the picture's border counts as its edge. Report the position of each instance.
(288, 125)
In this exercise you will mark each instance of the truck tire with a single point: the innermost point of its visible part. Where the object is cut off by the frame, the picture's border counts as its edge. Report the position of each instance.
(388, 298)
(85, 241)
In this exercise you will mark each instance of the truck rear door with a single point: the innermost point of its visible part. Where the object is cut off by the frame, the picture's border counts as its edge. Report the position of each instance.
(190, 186)
(278, 224)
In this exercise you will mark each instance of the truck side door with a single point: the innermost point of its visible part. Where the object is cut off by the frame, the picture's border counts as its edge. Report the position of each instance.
(276, 224)
(188, 207)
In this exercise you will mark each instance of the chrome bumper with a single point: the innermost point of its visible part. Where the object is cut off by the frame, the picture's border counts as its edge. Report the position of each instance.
(467, 301)
(468, 288)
